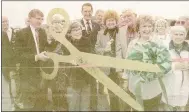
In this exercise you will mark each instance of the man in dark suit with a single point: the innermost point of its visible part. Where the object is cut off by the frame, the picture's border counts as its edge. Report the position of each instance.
(8, 63)
(7, 48)
(89, 32)
(30, 44)
(90, 28)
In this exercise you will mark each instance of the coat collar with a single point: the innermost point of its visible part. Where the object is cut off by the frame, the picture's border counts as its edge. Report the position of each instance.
(185, 46)
(107, 30)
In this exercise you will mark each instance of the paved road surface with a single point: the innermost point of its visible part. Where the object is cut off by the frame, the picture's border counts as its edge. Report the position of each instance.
(72, 98)
(103, 100)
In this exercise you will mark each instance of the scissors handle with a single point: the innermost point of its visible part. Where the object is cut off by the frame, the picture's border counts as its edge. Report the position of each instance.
(57, 59)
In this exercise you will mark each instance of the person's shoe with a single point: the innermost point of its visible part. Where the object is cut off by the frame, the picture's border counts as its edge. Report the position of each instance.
(101, 92)
(93, 109)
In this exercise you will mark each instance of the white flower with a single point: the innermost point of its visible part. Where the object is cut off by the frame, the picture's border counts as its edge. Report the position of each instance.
(184, 54)
(83, 28)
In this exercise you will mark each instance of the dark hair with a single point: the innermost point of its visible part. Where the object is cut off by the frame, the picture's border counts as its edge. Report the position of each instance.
(87, 4)
(172, 23)
(73, 25)
(110, 14)
(35, 12)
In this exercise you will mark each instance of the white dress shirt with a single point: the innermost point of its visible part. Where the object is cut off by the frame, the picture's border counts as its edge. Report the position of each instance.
(34, 36)
(86, 25)
(9, 33)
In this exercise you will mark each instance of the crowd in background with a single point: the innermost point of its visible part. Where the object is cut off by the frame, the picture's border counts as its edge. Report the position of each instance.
(125, 36)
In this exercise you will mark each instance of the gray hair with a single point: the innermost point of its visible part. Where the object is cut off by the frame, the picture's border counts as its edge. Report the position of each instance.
(57, 17)
(98, 11)
(160, 21)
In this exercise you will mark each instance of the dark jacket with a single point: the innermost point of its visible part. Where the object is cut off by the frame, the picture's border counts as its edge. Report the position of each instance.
(78, 76)
(93, 35)
(60, 82)
(55, 47)
(8, 54)
(187, 36)
(25, 52)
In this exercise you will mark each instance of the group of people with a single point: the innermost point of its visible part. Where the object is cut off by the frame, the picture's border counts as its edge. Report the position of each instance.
(126, 36)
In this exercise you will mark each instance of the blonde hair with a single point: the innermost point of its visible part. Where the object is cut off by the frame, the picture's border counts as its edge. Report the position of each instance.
(111, 14)
(160, 22)
(131, 12)
(144, 19)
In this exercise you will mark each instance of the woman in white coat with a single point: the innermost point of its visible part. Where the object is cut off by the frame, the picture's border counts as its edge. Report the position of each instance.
(177, 84)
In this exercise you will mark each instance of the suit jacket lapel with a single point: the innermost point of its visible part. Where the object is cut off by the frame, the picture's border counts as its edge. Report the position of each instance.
(6, 36)
(13, 37)
(12, 31)
(5, 40)
(41, 39)
(31, 41)
(82, 23)
(93, 26)
(84, 31)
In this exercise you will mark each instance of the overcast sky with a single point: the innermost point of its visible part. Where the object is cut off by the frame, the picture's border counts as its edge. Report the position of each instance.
(17, 11)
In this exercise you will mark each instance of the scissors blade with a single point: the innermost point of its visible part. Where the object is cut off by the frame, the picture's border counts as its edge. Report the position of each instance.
(60, 37)
(106, 61)
(107, 82)
(59, 58)
(101, 77)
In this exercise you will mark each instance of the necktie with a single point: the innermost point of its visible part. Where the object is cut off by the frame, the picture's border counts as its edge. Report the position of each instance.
(37, 36)
(88, 27)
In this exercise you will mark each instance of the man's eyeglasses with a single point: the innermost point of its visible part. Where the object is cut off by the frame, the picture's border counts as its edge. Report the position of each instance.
(4, 22)
(180, 22)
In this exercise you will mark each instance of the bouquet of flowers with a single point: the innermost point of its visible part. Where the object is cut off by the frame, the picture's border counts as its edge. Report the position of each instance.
(150, 52)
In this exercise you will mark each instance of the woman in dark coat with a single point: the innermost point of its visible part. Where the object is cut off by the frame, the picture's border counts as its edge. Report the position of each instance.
(79, 79)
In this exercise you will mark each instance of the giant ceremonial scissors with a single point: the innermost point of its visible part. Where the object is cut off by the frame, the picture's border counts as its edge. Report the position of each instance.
(81, 58)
